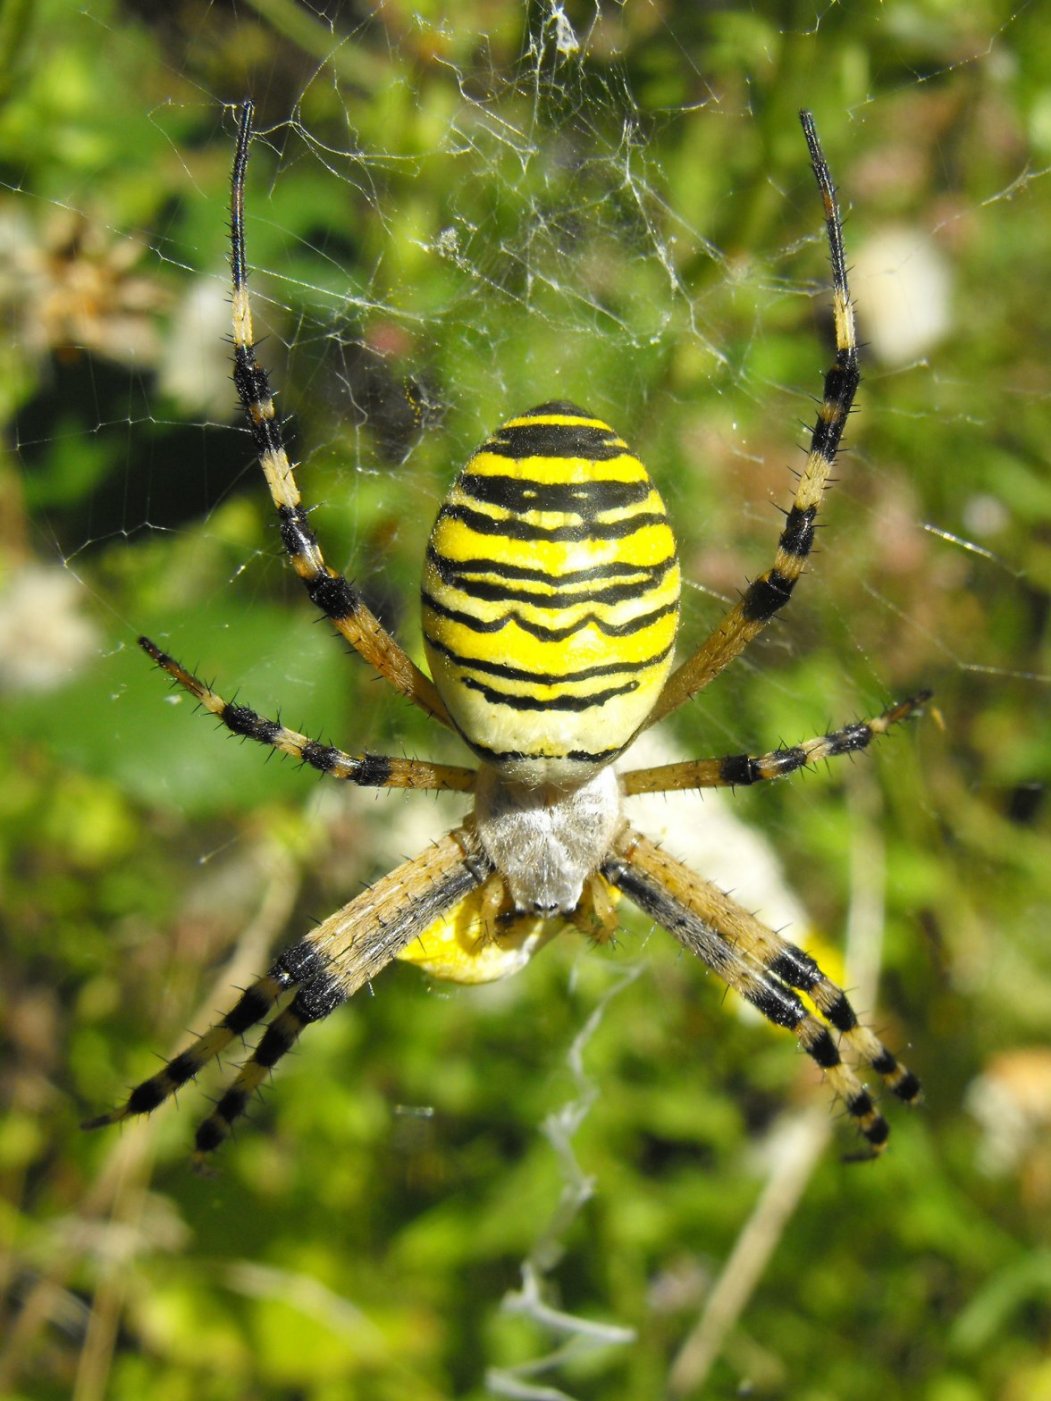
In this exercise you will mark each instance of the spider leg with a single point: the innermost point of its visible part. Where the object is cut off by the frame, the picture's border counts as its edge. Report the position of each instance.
(739, 770)
(325, 968)
(767, 594)
(367, 770)
(766, 970)
(329, 590)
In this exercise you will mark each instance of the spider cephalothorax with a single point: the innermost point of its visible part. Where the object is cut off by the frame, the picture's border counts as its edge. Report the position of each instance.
(550, 605)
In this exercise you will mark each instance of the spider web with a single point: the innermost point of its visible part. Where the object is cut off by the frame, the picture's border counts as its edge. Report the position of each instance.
(449, 221)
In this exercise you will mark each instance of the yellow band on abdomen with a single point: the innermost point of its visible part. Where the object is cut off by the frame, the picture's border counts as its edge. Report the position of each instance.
(551, 595)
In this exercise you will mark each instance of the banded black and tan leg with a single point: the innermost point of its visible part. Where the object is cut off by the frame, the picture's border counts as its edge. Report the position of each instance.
(334, 960)
(766, 970)
(329, 590)
(740, 770)
(768, 594)
(366, 770)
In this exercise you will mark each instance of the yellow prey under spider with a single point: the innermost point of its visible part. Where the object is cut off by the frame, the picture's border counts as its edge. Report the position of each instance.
(550, 606)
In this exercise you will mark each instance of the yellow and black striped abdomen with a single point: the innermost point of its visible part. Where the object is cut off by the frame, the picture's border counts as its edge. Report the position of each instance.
(551, 596)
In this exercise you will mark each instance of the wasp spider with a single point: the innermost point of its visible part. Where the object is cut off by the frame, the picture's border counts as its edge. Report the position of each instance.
(550, 605)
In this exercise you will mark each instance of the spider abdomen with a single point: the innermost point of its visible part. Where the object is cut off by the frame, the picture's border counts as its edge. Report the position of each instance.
(551, 596)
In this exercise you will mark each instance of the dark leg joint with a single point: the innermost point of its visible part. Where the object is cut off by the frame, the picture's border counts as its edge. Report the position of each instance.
(777, 1005)
(908, 1087)
(150, 1094)
(276, 1041)
(841, 1014)
(318, 998)
(797, 538)
(333, 595)
(795, 968)
(824, 1051)
(243, 721)
(299, 964)
(251, 1007)
(766, 595)
(738, 771)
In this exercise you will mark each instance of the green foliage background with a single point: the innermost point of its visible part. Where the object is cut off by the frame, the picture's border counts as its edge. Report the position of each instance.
(448, 215)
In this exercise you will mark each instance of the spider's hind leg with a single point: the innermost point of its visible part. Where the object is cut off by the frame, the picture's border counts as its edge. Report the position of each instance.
(325, 968)
(252, 1007)
(792, 966)
(766, 970)
(320, 993)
